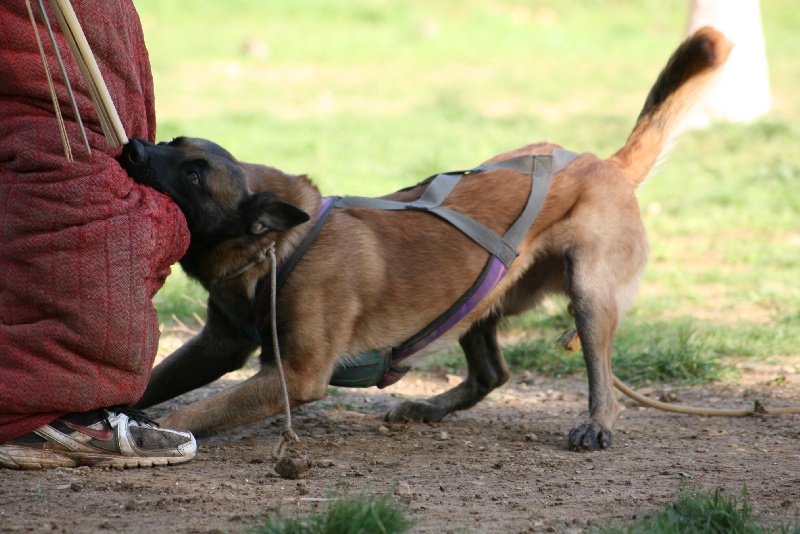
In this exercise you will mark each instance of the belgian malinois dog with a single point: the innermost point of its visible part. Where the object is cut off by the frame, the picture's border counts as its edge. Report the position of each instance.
(371, 278)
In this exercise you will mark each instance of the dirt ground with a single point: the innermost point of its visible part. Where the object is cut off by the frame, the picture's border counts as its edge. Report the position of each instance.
(500, 467)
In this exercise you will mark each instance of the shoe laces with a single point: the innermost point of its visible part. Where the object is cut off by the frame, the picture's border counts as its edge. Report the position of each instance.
(134, 415)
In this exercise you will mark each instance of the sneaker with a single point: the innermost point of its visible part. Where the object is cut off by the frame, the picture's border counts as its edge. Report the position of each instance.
(113, 437)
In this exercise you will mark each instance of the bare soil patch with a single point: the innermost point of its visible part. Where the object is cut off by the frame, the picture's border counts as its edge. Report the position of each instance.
(500, 467)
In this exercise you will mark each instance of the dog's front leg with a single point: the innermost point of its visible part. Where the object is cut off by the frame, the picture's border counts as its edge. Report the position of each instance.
(219, 348)
(256, 398)
(486, 371)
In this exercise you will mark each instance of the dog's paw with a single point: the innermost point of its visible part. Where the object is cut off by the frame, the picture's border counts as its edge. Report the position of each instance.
(422, 412)
(589, 436)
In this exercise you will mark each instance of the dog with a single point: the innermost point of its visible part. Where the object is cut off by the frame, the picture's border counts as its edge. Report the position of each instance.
(372, 278)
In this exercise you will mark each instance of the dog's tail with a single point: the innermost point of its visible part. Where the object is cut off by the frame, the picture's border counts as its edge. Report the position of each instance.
(689, 72)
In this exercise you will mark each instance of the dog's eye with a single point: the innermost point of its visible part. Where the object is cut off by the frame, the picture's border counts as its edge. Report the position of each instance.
(193, 176)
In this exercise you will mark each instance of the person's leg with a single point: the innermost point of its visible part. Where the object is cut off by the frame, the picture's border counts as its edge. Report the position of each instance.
(83, 249)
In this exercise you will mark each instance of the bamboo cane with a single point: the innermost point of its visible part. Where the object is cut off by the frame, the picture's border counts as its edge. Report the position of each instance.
(59, 119)
(109, 118)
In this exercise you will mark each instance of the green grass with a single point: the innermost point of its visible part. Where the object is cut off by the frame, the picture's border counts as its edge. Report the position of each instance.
(700, 513)
(344, 515)
(367, 96)
(180, 297)
(672, 352)
(677, 352)
(669, 351)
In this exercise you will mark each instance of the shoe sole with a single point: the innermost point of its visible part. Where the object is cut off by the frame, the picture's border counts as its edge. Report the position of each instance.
(20, 457)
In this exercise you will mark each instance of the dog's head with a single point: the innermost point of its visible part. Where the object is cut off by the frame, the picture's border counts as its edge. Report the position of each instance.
(210, 187)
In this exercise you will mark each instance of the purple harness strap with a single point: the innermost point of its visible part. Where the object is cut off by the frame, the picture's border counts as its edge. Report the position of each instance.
(286, 267)
(491, 275)
(384, 367)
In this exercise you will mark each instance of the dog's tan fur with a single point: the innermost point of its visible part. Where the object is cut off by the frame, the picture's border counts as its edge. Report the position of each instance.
(374, 278)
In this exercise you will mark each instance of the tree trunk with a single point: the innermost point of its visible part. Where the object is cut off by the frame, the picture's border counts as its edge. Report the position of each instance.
(742, 93)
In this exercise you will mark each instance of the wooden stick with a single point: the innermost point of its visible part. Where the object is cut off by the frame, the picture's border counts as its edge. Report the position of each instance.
(67, 84)
(109, 119)
(62, 129)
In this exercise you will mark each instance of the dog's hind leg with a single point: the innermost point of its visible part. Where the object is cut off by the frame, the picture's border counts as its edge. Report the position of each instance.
(597, 314)
(486, 371)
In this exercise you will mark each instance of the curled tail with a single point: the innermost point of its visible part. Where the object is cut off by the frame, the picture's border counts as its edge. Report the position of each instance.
(688, 73)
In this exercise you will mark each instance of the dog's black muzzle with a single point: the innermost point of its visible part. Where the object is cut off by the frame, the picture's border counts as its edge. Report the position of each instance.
(135, 152)
(136, 159)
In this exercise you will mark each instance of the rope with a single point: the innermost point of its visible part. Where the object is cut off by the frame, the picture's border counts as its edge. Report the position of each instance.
(258, 259)
(288, 434)
(758, 408)
(570, 341)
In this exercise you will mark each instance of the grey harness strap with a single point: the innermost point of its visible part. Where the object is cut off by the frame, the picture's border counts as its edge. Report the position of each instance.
(540, 167)
(384, 367)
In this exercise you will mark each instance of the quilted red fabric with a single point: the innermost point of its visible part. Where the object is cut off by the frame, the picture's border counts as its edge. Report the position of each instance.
(83, 249)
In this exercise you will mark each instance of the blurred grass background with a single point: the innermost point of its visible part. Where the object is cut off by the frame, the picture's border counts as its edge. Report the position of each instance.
(367, 96)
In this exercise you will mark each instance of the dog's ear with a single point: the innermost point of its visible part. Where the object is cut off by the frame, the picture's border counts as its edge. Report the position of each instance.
(262, 213)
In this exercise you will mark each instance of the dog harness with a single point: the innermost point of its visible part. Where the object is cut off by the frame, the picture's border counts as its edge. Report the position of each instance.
(384, 367)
